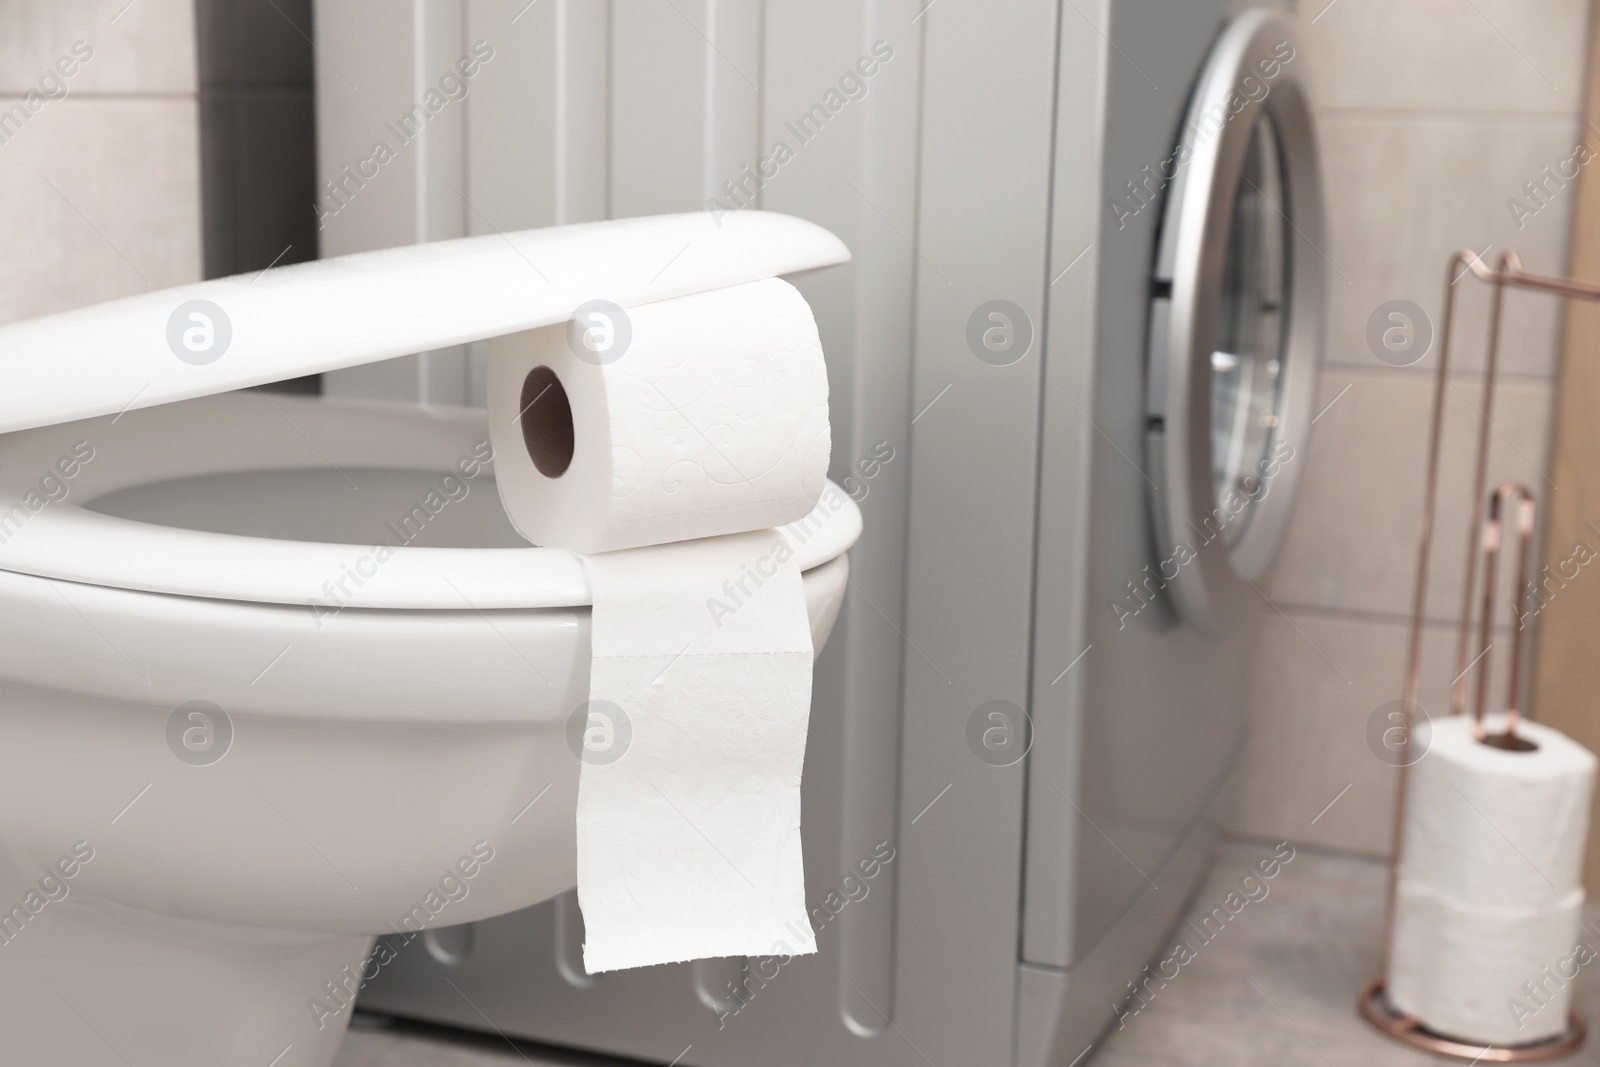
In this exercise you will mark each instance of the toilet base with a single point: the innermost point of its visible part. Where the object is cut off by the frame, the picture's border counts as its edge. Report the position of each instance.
(92, 983)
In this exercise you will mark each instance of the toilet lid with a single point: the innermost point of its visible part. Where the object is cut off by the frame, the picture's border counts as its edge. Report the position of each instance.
(247, 330)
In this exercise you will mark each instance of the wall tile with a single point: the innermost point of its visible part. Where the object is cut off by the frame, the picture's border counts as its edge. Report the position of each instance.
(1309, 735)
(1447, 55)
(147, 46)
(123, 216)
(1404, 193)
(1351, 543)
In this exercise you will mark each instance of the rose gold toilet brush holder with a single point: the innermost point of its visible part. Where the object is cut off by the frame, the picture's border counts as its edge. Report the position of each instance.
(1485, 538)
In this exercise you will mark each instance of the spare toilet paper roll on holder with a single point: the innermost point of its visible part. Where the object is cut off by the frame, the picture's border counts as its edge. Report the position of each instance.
(1373, 1002)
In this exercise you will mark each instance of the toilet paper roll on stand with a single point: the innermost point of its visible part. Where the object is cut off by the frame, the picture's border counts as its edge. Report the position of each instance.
(1412, 901)
(1489, 899)
(665, 443)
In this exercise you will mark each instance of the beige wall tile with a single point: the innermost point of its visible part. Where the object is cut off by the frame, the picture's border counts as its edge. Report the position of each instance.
(123, 215)
(1309, 735)
(1447, 55)
(147, 46)
(1404, 193)
(1351, 543)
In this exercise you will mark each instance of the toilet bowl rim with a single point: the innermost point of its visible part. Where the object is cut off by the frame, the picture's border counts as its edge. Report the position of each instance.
(67, 542)
(438, 579)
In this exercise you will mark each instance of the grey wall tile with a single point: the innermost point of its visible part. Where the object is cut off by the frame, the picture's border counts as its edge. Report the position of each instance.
(1404, 193)
(1447, 55)
(1321, 681)
(1351, 543)
(147, 46)
(121, 216)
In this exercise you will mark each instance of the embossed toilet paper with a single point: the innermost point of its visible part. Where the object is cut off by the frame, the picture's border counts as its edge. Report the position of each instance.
(692, 417)
(665, 442)
(689, 838)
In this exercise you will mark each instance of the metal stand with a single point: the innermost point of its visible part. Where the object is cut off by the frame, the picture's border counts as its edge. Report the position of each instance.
(1375, 1009)
(1373, 1003)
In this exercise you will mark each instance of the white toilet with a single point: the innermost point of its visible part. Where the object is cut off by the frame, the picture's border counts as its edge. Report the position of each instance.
(237, 740)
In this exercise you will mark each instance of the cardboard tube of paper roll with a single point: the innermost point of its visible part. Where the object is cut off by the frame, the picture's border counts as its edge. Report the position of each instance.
(686, 418)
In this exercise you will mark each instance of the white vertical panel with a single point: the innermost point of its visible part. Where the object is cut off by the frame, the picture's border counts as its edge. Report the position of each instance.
(582, 113)
(884, 200)
(733, 76)
(537, 144)
(657, 107)
(686, 106)
(1081, 94)
(857, 176)
(391, 157)
(583, 142)
(981, 235)
(536, 137)
(441, 165)
(364, 83)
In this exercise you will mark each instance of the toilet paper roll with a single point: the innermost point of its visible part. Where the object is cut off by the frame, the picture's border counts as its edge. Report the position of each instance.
(1482, 974)
(692, 744)
(686, 418)
(1493, 827)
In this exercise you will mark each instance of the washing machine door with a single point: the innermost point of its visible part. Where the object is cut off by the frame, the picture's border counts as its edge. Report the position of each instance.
(1236, 323)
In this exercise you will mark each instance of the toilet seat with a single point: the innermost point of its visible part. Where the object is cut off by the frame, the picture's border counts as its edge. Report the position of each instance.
(342, 312)
(239, 432)
(111, 378)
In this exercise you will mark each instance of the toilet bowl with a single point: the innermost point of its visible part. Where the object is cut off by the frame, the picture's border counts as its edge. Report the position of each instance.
(276, 677)
(351, 765)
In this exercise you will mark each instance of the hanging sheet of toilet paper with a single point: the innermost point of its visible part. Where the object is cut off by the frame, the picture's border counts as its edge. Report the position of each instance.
(1489, 899)
(696, 425)
(689, 843)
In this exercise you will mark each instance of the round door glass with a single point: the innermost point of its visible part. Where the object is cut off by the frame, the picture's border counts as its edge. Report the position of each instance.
(1247, 360)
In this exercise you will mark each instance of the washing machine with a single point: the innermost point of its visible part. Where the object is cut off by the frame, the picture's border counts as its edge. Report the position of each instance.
(1071, 365)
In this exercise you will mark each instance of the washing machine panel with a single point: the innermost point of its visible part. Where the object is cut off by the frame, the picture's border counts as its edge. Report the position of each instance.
(1135, 739)
(1015, 508)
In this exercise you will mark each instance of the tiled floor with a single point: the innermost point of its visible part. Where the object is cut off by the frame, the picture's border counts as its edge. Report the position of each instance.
(1277, 987)
(1283, 990)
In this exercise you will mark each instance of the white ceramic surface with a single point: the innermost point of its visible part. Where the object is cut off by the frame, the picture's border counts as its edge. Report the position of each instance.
(150, 349)
(372, 749)
(487, 565)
